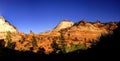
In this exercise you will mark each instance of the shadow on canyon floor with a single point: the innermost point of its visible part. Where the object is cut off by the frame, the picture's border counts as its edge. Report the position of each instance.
(107, 48)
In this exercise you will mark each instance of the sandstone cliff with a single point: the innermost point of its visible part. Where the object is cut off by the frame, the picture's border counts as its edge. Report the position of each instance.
(66, 34)
(5, 26)
(63, 24)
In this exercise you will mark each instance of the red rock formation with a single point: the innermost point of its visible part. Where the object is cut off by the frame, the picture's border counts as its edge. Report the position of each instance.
(78, 33)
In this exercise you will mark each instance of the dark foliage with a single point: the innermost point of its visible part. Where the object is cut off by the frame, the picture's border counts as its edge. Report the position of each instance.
(11, 45)
(2, 42)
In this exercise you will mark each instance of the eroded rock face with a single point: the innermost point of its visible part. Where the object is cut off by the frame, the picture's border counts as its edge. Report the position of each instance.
(85, 31)
(82, 32)
(63, 24)
(5, 26)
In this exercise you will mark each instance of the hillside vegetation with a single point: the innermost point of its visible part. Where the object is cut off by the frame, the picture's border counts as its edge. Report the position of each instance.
(77, 36)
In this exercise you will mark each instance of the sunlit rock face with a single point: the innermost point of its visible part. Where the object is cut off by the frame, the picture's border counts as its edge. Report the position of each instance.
(5, 26)
(63, 24)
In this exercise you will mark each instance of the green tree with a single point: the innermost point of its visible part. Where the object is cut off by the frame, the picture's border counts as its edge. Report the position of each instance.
(31, 32)
(68, 35)
(62, 37)
(8, 38)
(9, 43)
(85, 42)
(55, 46)
(63, 43)
(34, 42)
(23, 39)
(98, 21)
(74, 47)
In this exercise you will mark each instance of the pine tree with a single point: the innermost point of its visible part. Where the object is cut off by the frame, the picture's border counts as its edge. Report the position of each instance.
(8, 38)
(9, 43)
(34, 42)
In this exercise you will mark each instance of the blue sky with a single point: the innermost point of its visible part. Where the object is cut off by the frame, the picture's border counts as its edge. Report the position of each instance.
(43, 15)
